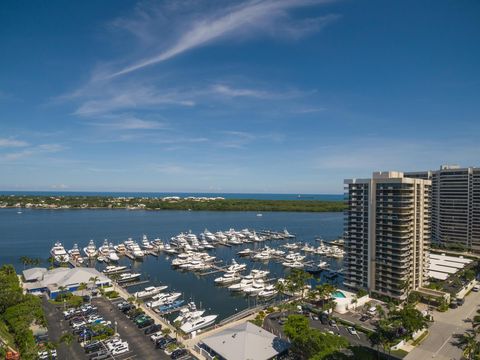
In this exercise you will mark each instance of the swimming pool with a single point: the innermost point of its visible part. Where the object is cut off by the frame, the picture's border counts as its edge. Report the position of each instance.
(338, 295)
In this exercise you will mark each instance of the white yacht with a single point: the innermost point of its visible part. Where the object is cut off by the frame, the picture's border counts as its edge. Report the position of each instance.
(149, 291)
(112, 269)
(236, 266)
(128, 277)
(293, 264)
(246, 282)
(136, 251)
(322, 265)
(146, 244)
(188, 313)
(104, 249)
(163, 298)
(158, 244)
(75, 254)
(90, 250)
(245, 252)
(120, 248)
(112, 254)
(169, 249)
(269, 291)
(258, 274)
(197, 323)
(228, 278)
(255, 288)
(59, 254)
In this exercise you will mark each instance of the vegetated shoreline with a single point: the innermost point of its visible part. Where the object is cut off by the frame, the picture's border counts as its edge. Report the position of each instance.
(105, 202)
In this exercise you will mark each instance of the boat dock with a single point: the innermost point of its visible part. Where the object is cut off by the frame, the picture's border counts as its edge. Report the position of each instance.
(129, 284)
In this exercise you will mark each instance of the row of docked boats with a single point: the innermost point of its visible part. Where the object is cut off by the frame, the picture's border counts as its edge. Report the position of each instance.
(333, 251)
(190, 318)
(108, 252)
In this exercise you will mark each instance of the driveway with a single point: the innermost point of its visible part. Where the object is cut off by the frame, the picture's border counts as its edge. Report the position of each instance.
(440, 342)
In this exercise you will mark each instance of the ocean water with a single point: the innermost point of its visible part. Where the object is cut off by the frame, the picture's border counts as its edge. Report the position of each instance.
(324, 197)
(33, 232)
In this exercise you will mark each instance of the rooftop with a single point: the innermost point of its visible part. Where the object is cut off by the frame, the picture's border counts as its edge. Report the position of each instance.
(246, 342)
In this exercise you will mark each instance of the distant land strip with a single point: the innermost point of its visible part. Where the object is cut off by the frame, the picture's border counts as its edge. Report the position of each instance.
(167, 203)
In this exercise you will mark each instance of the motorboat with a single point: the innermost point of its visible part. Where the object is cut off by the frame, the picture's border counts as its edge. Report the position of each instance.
(170, 305)
(255, 288)
(187, 313)
(120, 248)
(158, 244)
(59, 254)
(287, 235)
(90, 250)
(308, 248)
(268, 291)
(104, 250)
(245, 252)
(228, 278)
(197, 323)
(289, 246)
(75, 254)
(146, 244)
(162, 299)
(112, 269)
(136, 251)
(257, 274)
(293, 264)
(125, 277)
(169, 249)
(246, 282)
(236, 266)
(149, 291)
(112, 254)
(206, 244)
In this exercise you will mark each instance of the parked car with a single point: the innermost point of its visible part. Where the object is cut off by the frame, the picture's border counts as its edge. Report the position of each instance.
(152, 329)
(146, 323)
(352, 330)
(364, 318)
(332, 322)
(179, 353)
(476, 288)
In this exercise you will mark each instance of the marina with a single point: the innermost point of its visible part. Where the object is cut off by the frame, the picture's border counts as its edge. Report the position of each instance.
(198, 285)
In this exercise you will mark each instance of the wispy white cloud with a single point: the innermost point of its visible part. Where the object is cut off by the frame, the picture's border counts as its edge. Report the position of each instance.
(130, 123)
(229, 20)
(12, 142)
(121, 97)
(32, 151)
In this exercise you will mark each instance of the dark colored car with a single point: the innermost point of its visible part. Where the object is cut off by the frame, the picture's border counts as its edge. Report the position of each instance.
(145, 323)
(152, 328)
(364, 318)
(164, 342)
(179, 353)
(324, 319)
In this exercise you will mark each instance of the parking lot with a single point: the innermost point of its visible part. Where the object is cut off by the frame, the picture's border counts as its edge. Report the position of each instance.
(139, 345)
(273, 324)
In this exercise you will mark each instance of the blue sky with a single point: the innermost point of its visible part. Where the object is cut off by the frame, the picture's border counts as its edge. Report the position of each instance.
(234, 96)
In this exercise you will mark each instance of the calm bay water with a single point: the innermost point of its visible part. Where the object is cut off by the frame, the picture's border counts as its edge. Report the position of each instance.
(33, 233)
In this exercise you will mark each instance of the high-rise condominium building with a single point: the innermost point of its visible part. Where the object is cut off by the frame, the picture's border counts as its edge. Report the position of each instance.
(387, 233)
(455, 205)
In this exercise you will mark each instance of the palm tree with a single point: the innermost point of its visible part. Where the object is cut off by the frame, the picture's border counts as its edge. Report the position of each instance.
(94, 280)
(25, 260)
(82, 287)
(468, 343)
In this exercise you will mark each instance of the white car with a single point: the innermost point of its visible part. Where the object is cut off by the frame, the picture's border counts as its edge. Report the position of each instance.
(476, 288)
(352, 330)
(156, 336)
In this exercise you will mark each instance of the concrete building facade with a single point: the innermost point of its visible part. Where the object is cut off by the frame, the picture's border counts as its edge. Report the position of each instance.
(387, 233)
(455, 205)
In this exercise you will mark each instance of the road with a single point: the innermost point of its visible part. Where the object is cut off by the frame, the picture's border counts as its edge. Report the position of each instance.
(440, 342)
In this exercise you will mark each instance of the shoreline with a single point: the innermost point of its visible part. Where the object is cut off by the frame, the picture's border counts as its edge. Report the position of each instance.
(158, 204)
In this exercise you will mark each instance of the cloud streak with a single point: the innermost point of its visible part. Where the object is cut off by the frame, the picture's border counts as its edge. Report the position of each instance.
(253, 14)
(10, 142)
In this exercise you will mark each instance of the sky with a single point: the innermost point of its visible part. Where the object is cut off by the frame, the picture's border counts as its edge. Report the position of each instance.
(269, 96)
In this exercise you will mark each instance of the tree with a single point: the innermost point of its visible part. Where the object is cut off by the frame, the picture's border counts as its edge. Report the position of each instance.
(308, 343)
(82, 287)
(94, 280)
(67, 338)
(25, 260)
(468, 343)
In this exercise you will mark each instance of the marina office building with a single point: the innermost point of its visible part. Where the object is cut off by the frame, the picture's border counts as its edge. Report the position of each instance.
(387, 233)
(455, 205)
